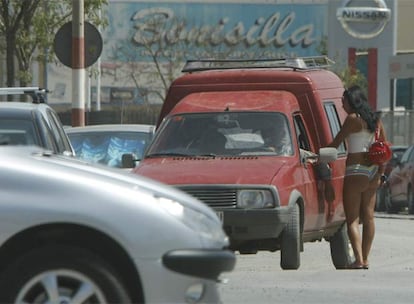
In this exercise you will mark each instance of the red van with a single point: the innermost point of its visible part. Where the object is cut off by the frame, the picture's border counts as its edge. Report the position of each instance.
(243, 136)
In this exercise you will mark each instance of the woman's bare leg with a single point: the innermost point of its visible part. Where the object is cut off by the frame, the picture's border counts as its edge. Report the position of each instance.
(367, 210)
(354, 186)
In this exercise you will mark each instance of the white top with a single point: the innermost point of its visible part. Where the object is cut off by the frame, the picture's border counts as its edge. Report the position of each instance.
(360, 141)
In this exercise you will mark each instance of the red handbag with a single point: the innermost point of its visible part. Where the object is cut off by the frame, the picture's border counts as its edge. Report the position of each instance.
(380, 151)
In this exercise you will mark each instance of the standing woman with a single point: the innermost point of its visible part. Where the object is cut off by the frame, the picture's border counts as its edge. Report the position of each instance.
(362, 178)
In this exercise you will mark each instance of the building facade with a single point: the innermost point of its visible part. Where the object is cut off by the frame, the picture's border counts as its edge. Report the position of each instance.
(372, 35)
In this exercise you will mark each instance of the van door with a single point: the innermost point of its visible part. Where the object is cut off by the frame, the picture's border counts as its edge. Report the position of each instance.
(338, 166)
(314, 202)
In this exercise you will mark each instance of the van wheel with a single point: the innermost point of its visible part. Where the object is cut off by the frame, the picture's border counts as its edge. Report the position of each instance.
(58, 274)
(290, 247)
(341, 249)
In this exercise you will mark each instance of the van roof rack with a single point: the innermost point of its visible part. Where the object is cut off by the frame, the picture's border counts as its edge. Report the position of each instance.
(303, 63)
(37, 94)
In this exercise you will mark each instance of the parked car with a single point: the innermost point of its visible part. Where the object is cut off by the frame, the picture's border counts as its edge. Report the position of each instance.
(400, 184)
(107, 143)
(242, 136)
(75, 232)
(32, 123)
(397, 152)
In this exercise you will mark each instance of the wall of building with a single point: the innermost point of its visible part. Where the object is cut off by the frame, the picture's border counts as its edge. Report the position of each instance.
(405, 39)
(236, 28)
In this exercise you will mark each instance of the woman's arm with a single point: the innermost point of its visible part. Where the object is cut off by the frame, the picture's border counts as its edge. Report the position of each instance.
(351, 124)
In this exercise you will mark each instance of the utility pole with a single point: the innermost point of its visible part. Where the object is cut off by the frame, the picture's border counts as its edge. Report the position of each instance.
(78, 63)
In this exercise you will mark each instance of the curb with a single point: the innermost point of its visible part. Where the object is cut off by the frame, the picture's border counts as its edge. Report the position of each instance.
(397, 216)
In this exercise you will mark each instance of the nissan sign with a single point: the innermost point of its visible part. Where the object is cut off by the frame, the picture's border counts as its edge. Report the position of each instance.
(362, 21)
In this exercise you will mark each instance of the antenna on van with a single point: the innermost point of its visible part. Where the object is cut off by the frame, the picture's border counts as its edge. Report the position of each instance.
(305, 63)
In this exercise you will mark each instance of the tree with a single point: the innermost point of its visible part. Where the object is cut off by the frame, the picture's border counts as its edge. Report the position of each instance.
(352, 77)
(26, 28)
(348, 75)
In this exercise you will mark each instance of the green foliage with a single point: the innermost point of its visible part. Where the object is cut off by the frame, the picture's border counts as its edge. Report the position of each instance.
(28, 28)
(346, 74)
(350, 78)
(322, 47)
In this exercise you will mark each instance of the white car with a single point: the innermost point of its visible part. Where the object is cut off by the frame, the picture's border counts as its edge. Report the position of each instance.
(105, 144)
(73, 232)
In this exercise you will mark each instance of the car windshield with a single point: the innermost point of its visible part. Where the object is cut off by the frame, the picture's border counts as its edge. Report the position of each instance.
(398, 153)
(17, 132)
(237, 133)
(108, 147)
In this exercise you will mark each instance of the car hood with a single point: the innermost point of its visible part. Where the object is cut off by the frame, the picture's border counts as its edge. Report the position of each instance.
(212, 170)
(93, 174)
(85, 194)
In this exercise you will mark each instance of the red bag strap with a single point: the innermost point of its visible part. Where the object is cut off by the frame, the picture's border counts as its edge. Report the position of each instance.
(377, 133)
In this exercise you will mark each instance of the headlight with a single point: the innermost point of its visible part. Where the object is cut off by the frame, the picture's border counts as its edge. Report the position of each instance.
(255, 199)
(194, 219)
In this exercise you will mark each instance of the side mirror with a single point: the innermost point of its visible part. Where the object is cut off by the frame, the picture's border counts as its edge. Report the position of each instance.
(327, 154)
(128, 160)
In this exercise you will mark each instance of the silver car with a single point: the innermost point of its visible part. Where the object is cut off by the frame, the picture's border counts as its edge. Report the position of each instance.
(72, 232)
(23, 123)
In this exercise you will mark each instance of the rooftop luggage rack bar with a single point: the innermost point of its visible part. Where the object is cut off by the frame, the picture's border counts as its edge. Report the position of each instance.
(36, 93)
(316, 62)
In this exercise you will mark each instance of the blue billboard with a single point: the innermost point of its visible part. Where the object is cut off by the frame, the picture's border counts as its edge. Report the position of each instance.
(193, 29)
(147, 42)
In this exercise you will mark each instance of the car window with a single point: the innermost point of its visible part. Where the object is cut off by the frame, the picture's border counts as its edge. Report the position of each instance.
(302, 136)
(236, 133)
(108, 147)
(411, 157)
(397, 154)
(46, 135)
(406, 155)
(17, 132)
(334, 122)
(58, 132)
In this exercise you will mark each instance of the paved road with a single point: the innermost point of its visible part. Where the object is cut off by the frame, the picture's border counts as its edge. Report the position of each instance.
(258, 278)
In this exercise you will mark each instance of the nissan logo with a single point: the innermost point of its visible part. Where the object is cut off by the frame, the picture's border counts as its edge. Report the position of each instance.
(361, 21)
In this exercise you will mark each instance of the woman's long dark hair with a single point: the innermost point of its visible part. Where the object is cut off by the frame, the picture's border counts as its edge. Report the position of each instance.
(359, 103)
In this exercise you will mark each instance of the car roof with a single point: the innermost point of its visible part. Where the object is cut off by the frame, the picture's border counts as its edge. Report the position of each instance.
(399, 148)
(19, 108)
(112, 128)
(21, 105)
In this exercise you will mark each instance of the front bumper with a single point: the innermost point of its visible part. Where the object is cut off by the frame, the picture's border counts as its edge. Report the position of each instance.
(207, 264)
(254, 224)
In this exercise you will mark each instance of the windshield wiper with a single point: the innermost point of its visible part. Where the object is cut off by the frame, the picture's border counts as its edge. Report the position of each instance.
(160, 154)
(206, 155)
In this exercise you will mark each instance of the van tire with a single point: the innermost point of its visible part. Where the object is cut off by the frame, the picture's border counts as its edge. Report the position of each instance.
(291, 242)
(341, 249)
